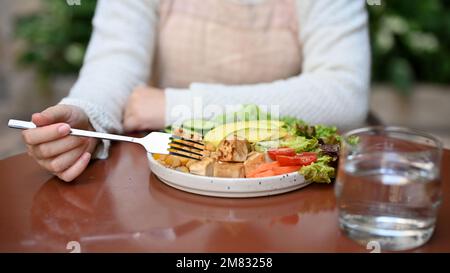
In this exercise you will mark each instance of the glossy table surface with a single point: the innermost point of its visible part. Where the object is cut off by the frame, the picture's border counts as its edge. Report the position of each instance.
(117, 205)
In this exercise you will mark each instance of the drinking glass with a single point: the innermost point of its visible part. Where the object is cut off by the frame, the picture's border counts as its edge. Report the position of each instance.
(388, 186)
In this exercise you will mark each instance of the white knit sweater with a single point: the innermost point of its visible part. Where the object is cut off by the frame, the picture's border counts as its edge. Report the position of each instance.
(333, 87)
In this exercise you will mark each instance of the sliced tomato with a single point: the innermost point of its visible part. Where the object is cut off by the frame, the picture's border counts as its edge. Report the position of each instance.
(307, 153)
(308, 157)
(301, 159)
(280, 151)
(285, 169)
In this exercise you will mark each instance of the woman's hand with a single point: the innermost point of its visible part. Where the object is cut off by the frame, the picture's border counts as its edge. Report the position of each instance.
(145, 109)
(52, 147)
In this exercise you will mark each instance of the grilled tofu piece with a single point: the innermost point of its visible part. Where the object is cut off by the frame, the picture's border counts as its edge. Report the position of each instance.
(254, 159)
(187, 134)
(204, 167)
(229, 170)
(233, 149)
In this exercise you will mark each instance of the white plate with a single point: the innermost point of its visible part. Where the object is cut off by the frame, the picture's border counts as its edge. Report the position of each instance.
(227, 187)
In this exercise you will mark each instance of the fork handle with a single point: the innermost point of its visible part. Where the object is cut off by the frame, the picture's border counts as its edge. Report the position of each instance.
(20, 124)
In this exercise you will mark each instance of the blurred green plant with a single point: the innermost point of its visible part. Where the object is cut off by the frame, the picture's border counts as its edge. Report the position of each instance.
(56, 36)
(410, 42)
(410, 39)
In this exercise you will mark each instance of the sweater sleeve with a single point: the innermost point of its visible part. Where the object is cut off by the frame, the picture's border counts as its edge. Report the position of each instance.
(333, 87)
(118, 58)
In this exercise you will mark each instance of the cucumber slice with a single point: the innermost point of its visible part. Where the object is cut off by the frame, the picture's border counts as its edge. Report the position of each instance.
(198, 125)
(168, 129)
(264, 146)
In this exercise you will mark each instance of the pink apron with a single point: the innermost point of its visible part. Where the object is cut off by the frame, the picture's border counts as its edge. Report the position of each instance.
(227, 42)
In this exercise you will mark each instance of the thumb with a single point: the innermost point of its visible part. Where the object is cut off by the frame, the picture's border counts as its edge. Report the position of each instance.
(54, 114)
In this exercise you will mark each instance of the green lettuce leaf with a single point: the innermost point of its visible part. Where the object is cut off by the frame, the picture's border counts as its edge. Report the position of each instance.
(328, 134)
(300, 144)
(291, 124)
(319, 171)
(353, 140)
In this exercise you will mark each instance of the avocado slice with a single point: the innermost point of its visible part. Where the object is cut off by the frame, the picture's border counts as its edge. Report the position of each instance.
(254, 135)
(220, 132)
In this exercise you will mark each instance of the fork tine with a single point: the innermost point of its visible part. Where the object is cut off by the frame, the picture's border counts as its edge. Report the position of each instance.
(163, 143)
(191, 145)
(184, 153)
(183, 144)
(185, 156)
(181, 149)
(175, 138)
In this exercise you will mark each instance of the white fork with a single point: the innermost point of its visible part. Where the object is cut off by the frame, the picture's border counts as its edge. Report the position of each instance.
(155, 142)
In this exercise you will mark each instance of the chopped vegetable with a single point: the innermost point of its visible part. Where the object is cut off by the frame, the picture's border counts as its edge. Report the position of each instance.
(294, 145)
(264, 146)
(331, 150)
(254, 159)
(306, 131)
(263, 167)
(285, 169)
(273, 153)
(222, 131)
(255, 135)
(266, 173)
(271, 169)
(301, 159)
(291, 124)
(319, 171)
(198, 125)
(325, 134)
(168, 129)
(300, 144)
(328, 134)
(353, 140)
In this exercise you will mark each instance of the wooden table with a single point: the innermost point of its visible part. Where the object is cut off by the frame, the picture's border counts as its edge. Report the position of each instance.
(117, 205)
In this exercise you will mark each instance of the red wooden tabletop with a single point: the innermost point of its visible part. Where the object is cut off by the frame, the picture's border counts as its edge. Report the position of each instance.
(117, 205)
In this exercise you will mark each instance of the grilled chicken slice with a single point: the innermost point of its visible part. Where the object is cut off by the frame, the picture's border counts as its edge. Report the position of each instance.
(229, 170)
(187, 134)
(233, 149)
(254, 159)
(204, 167)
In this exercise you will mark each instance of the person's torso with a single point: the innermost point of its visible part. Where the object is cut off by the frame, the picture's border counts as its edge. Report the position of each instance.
(227, 42)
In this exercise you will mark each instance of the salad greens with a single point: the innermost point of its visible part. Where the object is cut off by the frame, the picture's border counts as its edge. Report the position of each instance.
(353, 140)
(300, 144)
(319, 171)
(326, 134)
(321, 139)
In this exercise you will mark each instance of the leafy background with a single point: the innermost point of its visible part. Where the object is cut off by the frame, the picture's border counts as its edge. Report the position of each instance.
(410, 40)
